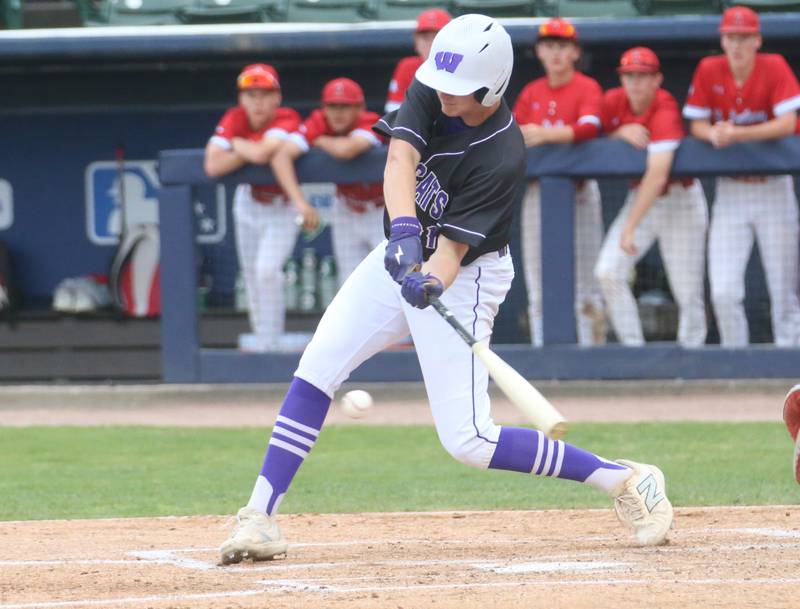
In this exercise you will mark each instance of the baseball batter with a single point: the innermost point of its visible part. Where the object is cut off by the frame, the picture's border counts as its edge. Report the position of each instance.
(266, 230)
(673, 211)
(428, 23)
(741, 96)
(455, 166)
(343, 129)
(563, 107)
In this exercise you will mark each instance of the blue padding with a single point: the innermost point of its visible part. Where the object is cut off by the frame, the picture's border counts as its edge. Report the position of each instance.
(590, 159)
(656, 361)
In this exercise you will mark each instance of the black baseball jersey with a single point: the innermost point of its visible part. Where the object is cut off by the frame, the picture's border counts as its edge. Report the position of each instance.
(468, 178)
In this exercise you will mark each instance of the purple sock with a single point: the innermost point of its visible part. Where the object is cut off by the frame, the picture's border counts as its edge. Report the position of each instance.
(531, 452)
(294, 434)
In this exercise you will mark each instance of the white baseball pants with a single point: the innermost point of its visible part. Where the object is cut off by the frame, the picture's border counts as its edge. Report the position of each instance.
(369, 314)
(265, 238)
(766, 212)
(678, 220)
(588, 239)
(354, 235)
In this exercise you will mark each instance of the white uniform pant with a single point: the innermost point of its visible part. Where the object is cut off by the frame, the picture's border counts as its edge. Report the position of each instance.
(369, 314)
(588, 239)
(265, 238)
(678, 220)
(766, 212)
(354, 235)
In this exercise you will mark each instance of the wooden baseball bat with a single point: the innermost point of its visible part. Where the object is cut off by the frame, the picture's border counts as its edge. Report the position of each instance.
(516, 388)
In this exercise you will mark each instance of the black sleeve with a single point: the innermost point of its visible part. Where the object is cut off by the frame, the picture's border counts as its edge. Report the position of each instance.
(483, 206)
(413, 121)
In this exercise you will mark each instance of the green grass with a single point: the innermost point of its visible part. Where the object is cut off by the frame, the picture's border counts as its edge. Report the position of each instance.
(138, 471)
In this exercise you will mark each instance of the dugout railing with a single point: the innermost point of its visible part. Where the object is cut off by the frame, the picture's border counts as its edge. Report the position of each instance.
(184, 359)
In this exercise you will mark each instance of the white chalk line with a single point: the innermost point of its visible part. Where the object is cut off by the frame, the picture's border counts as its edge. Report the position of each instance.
(135, 599)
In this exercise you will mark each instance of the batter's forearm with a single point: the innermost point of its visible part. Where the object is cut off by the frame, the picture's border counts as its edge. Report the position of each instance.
(445, 262)
(399, 179)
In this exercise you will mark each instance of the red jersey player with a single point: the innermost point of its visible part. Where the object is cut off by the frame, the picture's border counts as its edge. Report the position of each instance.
(428, 23)
(562, 107)
(741, 96)
(343, 129)
(673, 212)
(265, 228)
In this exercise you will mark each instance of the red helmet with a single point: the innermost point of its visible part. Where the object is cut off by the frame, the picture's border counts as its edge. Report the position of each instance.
(558, 28)
(342, 91)
(639, 59)
(432, 20)
(258, 76)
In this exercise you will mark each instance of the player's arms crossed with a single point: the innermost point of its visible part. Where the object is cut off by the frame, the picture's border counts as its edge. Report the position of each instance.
(344, 147)
(724, 133)
(635, 134)
(258, 153)
(653, 183)
(399, 179)
(219, 162)
(445, 262)
(534, 135)
(282, 165)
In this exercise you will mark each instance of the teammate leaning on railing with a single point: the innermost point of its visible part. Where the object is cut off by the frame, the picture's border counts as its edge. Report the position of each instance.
(672, 211)
(743, 96)
(343, 129)
(562, 107)
(265, 221)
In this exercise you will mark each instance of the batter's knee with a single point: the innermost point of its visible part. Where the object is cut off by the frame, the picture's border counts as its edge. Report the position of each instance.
(268, 271)
(475, 452)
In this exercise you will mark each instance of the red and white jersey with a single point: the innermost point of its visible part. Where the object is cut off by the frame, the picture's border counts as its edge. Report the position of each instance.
(234, 123)
(316, 125)
(770, 91)
(662, 119)
(401, 79)
(576, 103)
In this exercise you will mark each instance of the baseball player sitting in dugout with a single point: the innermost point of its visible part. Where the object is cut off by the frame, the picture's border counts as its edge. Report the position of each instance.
(455, 167)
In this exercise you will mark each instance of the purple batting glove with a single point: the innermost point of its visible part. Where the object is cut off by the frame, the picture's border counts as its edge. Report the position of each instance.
(418, 289)
(404, 250)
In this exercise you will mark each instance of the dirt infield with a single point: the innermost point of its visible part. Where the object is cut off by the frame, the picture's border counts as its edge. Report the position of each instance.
(717, 557)
(720, 557)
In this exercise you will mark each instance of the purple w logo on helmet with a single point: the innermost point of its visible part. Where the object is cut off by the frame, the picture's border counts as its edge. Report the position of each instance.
(445, 60)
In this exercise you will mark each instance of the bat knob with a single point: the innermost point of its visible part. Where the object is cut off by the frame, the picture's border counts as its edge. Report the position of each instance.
(558, 431)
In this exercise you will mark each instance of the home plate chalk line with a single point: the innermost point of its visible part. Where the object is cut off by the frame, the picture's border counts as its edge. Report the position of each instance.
(595, 564)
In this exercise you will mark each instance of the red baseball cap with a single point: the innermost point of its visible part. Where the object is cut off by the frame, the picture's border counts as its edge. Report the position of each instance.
(558, 28)
(639, 59)
(258, 76)
(739, 20)
(342, 91)
(432, 20)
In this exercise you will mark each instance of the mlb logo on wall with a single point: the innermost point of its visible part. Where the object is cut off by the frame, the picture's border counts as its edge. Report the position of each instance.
(137, 190)
(6, 204)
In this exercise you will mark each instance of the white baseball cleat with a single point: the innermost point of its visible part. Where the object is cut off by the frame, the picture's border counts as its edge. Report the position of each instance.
(641, 503)
(791, 416)
(256, 536)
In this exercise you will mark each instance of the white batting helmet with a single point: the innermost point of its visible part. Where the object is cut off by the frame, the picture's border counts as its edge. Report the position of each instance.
(472, 53)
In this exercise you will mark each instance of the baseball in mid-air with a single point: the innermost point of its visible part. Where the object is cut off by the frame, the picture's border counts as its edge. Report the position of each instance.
(356, 404)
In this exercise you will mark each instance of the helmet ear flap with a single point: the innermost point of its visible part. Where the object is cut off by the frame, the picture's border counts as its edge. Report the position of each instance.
(480, 94)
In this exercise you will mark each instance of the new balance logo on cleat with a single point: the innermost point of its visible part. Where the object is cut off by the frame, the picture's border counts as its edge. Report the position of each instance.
(641, 503)
(648, 488)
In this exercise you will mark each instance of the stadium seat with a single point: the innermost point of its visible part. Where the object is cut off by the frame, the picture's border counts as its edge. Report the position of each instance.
(331, 10)
(389, 10)
(496, 8)
(765, 5)
(232, 11)
(141, 12)
(677, 7)
(594, 8)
